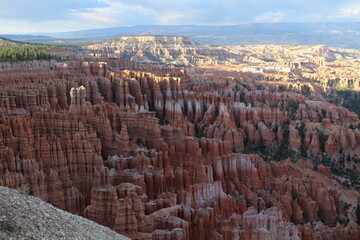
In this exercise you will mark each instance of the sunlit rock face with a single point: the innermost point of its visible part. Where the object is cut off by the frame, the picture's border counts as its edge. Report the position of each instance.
(163, 49)
(158, 152)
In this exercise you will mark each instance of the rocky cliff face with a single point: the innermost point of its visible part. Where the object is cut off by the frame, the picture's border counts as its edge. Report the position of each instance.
(161, 153)
(163, 49)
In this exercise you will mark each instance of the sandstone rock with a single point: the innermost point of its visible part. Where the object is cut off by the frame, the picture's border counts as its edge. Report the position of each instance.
(153, 151)
(324, 170)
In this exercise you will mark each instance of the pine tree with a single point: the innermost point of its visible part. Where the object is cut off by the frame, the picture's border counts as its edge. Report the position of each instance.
(15, 53)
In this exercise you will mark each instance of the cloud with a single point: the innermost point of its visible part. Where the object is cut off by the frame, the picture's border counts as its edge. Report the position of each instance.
(346, 13)
(351, 12)
(134, 13)
(114, 13)
(272, 17)
(179, 17)
(85, 14)
(172, 17)
(41, 10)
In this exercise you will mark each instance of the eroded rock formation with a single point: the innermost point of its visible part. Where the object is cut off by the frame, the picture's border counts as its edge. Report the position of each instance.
(157, 153)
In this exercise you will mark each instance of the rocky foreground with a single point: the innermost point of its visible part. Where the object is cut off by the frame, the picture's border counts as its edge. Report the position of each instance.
(26, 217)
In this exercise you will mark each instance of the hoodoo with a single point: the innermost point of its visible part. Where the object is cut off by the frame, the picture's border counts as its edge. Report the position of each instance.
(210, 149)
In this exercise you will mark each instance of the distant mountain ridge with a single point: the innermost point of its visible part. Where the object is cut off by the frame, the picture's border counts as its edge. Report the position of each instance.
(345, 35)
(27, 37)
(5, 40)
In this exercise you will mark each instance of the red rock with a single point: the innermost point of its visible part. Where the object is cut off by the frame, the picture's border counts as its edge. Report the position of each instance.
(149, 151)
(294, 139)
(330, 145)
(267, 135)
(324, 170)
(78, 104)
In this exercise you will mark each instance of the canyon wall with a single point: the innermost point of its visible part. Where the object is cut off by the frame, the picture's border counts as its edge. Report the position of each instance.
(156, 153)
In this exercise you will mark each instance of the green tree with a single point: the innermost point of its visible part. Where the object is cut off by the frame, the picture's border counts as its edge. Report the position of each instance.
(17, 53)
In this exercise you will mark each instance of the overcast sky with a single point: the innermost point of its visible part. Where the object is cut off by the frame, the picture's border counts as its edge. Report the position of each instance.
(34, 16)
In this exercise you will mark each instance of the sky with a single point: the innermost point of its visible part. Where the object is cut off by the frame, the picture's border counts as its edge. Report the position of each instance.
(40, 16)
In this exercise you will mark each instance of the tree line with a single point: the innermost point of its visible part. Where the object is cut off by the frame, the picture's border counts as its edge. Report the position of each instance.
(17, 53)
